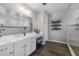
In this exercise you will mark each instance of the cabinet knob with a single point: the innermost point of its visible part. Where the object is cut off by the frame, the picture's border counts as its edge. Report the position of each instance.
(24, 46)
(11, 52)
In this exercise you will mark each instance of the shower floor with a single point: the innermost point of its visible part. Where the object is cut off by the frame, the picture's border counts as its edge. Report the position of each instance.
(52, 49)
(75, 49)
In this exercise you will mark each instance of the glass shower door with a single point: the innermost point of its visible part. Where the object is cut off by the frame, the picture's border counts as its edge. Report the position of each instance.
(73, 38)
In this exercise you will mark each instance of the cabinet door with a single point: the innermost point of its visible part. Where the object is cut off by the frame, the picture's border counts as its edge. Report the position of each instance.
(28, 47)
(6, 50)
(19, 48)
(33, 44)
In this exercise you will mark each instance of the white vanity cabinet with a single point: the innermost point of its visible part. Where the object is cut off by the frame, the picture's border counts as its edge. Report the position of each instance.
(19, 48)
(6, 50)
(30, 45)
(24, 47)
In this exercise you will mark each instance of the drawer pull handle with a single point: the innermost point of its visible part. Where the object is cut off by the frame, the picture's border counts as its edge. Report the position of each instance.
(24, 46)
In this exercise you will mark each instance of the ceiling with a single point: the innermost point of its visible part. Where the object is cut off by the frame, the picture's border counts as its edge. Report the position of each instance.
(15, 8)
(49, 7)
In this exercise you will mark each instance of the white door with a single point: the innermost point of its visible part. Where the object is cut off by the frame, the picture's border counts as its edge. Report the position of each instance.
(6, 50)
(19, 48)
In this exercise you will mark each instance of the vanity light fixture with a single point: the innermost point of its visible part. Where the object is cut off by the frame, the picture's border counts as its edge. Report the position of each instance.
(24, 10)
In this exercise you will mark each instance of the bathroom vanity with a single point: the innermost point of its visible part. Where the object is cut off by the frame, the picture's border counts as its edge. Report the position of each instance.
(18, 44)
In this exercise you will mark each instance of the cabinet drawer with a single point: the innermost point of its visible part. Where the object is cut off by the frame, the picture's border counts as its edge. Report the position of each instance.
(6, 50)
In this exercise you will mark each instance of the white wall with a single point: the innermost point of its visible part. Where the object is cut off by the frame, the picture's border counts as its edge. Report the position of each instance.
(46, 18)
(34, 20)
(40, 22)
(58, 35)
(66, 33)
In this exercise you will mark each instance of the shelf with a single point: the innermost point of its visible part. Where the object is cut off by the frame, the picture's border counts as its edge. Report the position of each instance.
(56, 21)
(55, 25)
(56, 28)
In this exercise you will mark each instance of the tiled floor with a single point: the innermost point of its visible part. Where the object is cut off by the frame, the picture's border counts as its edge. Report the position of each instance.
(52, 49)
(76, 50)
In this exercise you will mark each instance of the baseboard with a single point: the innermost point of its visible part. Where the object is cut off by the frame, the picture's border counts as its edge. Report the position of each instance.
(57, 41)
